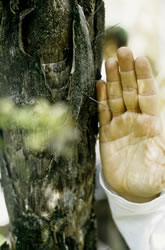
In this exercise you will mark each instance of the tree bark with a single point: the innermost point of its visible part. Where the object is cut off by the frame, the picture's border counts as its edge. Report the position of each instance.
(51, 49)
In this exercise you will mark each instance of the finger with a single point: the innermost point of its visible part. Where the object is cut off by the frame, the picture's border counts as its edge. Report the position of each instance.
(148, 97)
(114, 88)
(104, 112)
(128, 78)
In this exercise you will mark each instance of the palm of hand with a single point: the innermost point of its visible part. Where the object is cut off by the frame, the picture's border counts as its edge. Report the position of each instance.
(130, 160)
(130, 141)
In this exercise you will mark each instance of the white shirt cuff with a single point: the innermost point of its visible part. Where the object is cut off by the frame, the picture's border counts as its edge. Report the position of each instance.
(139, 223)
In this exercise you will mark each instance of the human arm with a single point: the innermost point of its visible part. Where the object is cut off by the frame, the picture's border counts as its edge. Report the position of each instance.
(141, 224)
(131, 141)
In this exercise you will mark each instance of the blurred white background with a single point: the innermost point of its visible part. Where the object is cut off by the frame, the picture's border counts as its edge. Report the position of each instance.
(144, 21)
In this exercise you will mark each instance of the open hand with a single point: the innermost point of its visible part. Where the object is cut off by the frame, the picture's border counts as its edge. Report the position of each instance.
(131, 144)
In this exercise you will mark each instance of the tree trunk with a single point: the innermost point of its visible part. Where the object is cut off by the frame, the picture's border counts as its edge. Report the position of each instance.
(51, 49)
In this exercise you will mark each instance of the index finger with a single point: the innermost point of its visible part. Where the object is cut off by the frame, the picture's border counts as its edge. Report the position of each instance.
(104, 112)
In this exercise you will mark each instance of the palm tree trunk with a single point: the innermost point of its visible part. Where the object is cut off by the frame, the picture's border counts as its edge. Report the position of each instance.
(51, 49)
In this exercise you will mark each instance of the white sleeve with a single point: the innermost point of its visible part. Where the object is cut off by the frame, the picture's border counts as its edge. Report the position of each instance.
(141, 224)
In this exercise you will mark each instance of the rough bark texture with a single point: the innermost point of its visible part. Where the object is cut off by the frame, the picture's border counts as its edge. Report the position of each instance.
(51, 49)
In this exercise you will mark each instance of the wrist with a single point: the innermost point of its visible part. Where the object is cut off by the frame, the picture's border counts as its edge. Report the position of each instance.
(122, 191)
(138, 199)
